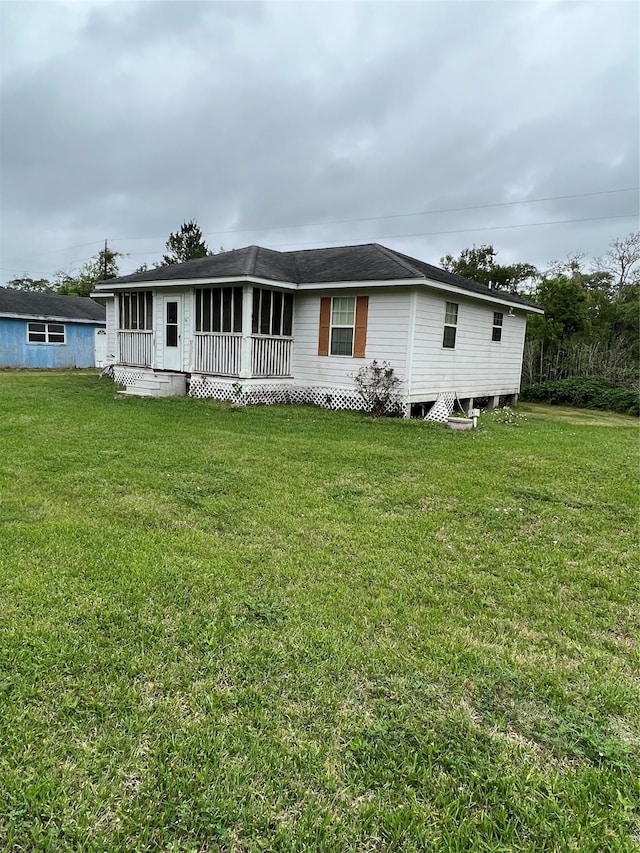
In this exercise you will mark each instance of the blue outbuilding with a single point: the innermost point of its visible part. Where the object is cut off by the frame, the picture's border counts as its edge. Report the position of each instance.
(43, 330)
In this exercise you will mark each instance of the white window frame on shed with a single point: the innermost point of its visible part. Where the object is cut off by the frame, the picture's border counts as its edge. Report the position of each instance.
(450, 325)
(47, 333)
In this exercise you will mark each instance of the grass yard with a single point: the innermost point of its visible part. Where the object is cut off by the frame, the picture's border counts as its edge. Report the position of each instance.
(287, 629)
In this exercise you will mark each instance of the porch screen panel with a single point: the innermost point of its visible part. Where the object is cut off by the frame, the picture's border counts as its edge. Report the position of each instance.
(136, 310)
(227, 305)
(272, 313)
(237, 309)
(287, 314)
(216, 309)
(219, 309)
(255, 314)
(276, 323)
(265, 313)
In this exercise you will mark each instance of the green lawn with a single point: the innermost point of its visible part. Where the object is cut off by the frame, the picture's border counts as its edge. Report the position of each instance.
(289, 629)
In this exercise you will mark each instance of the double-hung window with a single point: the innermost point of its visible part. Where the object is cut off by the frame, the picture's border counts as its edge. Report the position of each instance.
(450, 325)
(343, 325)
(343, 319)
(45, 333)
(496, 333)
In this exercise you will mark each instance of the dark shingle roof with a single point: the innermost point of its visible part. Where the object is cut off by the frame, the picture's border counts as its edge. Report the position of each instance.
(28, 304)
(364, 262)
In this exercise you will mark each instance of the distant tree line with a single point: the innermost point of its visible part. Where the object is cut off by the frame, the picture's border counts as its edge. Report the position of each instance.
(591, 324)
(185, 245)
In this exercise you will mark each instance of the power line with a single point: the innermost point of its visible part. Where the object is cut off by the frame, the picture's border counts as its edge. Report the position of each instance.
(469, 230)
(396, 215)
(349, 221)
(416, 234)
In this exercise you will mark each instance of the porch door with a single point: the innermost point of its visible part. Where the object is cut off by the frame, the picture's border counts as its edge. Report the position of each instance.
(172, 333)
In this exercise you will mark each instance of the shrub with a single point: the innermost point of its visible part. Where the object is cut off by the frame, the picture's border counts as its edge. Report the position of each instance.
(590, 392)
(379, 387)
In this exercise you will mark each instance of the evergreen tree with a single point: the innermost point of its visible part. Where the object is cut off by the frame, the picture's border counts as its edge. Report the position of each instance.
(186, 244)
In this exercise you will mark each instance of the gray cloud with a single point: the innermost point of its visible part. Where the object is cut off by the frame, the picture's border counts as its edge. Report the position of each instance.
(121, 120)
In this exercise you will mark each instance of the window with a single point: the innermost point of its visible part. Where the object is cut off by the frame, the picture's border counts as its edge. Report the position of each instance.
(450, 325)
(343, 319)
(136, 310)
(219, 309)
(496, 334)
(343, 325)
(45, 333)
(272, 312)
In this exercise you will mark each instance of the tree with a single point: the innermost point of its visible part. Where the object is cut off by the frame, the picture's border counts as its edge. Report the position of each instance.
(564, 300)
(33, 285)
(479, 264)
(102, 267)
(186, 244)
(621, 261)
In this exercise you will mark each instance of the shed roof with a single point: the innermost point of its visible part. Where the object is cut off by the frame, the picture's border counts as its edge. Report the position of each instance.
(359, 263)
(23, 303)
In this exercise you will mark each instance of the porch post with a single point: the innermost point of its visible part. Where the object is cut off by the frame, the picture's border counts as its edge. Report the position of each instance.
(247, 318)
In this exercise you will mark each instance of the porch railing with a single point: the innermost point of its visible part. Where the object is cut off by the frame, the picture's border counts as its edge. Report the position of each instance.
(217, 353)
(135, 348)
(270, 356)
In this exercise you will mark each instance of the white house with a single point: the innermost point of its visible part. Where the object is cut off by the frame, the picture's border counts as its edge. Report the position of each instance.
(263, 326)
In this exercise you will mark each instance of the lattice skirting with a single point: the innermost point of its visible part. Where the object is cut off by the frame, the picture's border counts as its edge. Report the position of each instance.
(127, 375)
(442, 408)
(250, 394)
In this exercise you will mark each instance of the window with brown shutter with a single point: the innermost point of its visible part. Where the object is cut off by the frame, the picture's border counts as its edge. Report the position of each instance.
(343, 326)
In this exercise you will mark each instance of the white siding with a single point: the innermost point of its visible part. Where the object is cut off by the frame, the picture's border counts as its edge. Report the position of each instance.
(112, 350)
(387, 326)
(477, 366)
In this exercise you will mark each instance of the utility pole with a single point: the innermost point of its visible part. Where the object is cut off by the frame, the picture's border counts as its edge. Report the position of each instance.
(104, 262)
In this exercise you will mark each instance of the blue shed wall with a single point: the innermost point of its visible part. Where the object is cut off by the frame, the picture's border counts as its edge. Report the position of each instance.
(77, 351)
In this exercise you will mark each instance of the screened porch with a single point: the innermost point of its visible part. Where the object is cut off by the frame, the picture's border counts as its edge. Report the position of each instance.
(243, 331)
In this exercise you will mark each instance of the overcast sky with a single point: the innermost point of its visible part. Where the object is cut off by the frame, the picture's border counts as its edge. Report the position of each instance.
(273, 123)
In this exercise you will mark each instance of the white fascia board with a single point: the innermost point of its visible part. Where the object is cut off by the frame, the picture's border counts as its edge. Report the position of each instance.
(102, 295)
(196, 282)
(49, 318)
(360, 285)
(470, 294)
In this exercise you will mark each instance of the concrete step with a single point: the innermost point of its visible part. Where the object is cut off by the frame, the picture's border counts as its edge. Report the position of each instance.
(158, 385)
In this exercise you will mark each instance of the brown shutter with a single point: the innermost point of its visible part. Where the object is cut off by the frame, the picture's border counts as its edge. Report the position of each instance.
(362, 313)
(325, 323)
